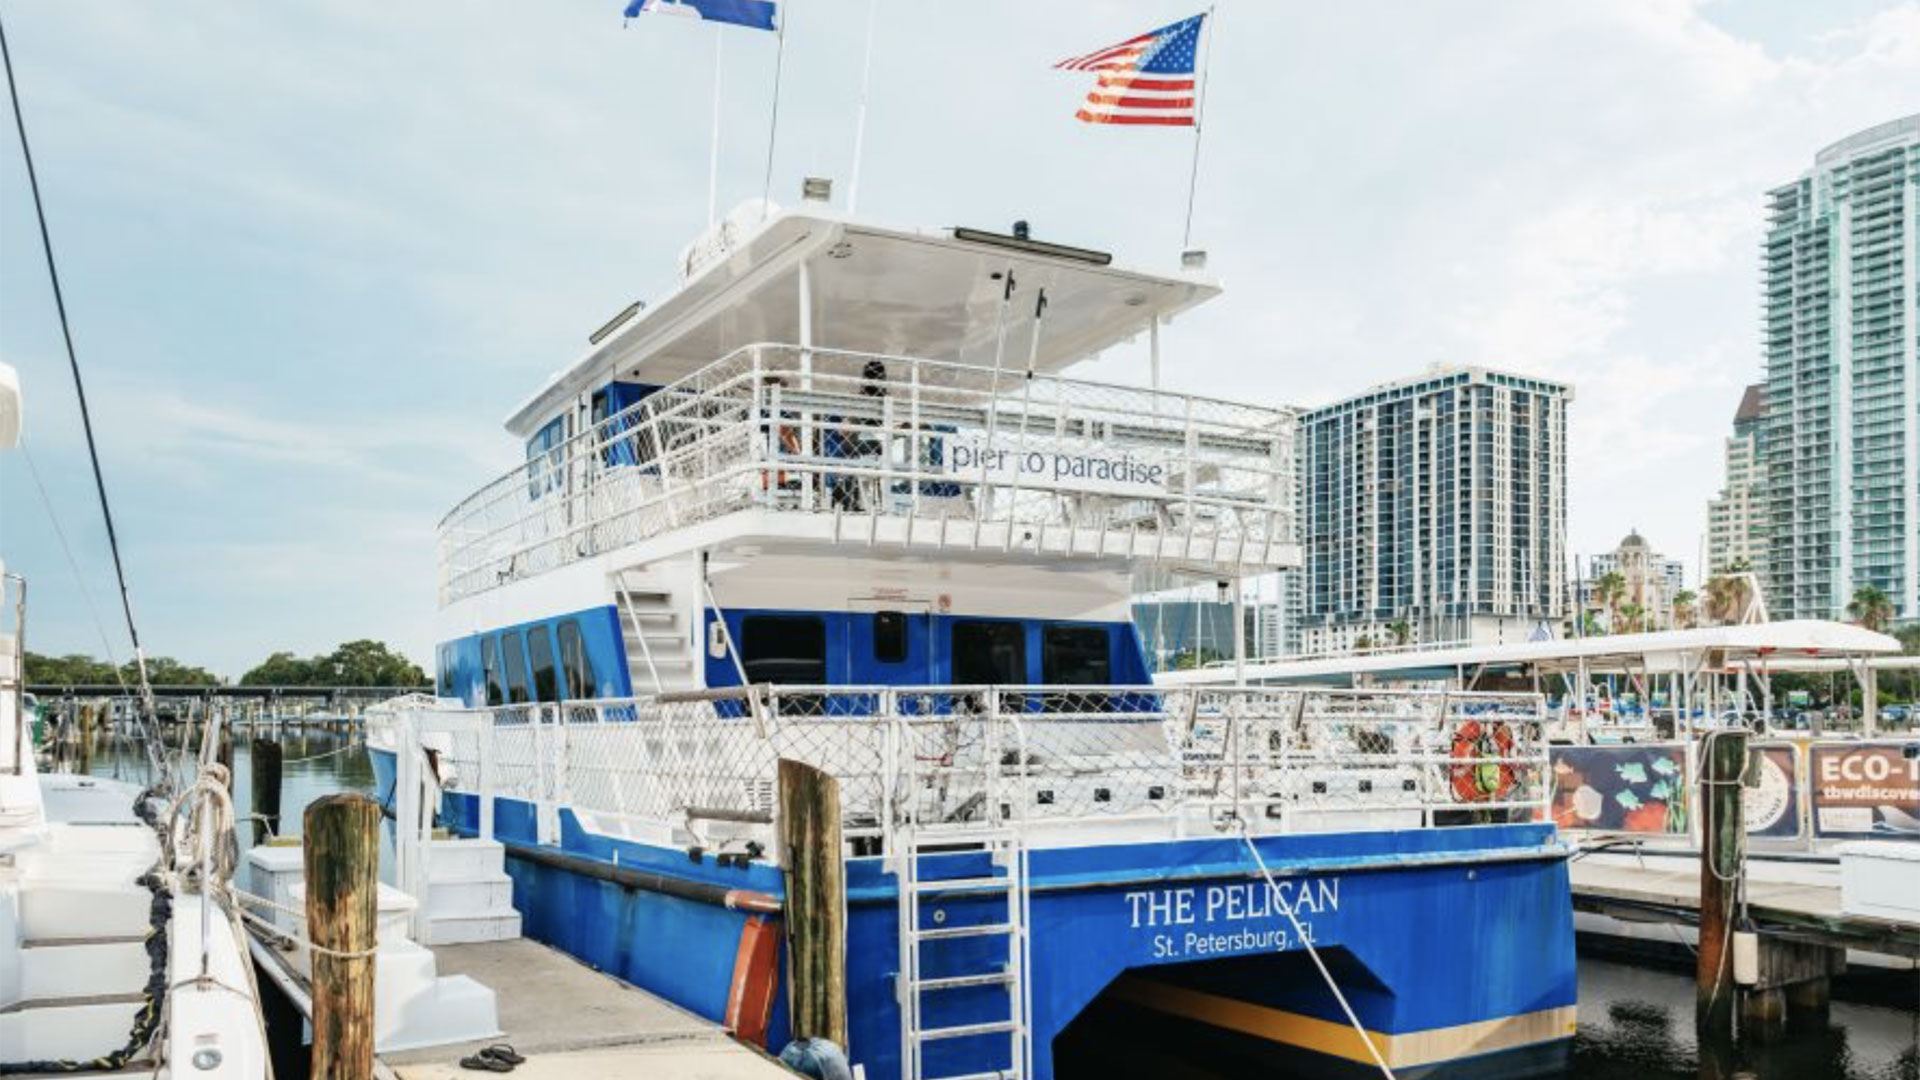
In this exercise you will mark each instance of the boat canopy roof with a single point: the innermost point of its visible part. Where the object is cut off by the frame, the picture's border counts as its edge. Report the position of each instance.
(1774, 646)
(931, 294)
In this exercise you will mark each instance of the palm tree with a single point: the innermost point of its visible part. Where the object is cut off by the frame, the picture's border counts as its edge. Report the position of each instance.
(1870, 607)
(1608, 590)
(1683, 608)
(1402, 632)
(1726, 597)
(1633, 614)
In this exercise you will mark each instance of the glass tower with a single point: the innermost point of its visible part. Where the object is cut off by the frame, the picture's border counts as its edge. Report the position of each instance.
(1840, 264)
(1434, 509)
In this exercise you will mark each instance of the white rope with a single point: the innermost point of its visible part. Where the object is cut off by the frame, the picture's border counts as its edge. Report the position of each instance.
(299, 940)
(354, 745)
(1300, 932)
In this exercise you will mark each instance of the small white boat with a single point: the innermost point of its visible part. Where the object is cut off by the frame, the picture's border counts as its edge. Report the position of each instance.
(108, 960)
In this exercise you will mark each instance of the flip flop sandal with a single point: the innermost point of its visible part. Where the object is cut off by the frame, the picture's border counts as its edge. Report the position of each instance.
(504, 1053)
(482, 1063)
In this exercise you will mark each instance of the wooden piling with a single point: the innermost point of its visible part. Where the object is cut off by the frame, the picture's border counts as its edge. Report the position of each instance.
(342, 841)
(89, 714)
(223, 753)
(265, 757)
(1722, 861)
(816, 908)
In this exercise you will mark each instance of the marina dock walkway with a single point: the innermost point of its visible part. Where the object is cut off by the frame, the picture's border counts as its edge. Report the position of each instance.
(571, 1021)
(1801, 901)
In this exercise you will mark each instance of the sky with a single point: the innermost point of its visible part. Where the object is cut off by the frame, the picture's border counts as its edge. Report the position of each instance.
(314, 253)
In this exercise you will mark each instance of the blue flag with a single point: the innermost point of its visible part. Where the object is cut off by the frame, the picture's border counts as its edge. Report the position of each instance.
(756, 14)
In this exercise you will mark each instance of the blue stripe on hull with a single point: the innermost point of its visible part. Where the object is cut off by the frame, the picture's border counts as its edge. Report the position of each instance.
(1430, 928)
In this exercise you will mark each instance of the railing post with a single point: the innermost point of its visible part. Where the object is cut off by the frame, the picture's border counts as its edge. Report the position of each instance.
(485, 785)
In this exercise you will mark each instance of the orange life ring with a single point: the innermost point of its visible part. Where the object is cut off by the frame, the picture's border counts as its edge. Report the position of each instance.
(1482, 781)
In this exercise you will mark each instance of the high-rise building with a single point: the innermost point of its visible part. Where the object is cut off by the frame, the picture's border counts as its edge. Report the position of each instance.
(1841, 439)
(1737, 518)
(1434, 509)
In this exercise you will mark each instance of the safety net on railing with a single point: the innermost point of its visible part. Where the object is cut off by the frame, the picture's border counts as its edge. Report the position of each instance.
(960, 757)
(786, 429)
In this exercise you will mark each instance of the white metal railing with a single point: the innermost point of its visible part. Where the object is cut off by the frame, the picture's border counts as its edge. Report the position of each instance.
(1161, 763)
(824, 431)
(14, 744)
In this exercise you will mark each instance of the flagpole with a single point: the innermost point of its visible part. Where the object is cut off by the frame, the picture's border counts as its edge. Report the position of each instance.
(1199, 126)
(773, 121)
(860, 121)
(713, 153)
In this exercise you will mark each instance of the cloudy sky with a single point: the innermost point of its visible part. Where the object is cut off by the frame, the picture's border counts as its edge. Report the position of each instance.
(314, 253)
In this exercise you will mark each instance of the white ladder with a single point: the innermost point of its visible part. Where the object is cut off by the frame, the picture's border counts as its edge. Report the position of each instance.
(1006, 879)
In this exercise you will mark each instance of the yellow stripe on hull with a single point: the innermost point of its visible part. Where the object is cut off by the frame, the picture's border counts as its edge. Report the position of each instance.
(1406, 1050)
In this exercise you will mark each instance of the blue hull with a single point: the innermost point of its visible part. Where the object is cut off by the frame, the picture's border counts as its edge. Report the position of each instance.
(1453, 945)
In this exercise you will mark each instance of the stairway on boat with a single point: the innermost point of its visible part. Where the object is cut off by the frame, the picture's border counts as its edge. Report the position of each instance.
(657, 635)
(74, 915)
(469, 899)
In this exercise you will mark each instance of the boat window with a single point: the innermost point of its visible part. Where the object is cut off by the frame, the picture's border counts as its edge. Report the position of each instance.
(546, 686)
(443, 671)
(790, 649)
(574, 662)
(890, 636)
(989, 654)
(1075, 656)
(545, 458)
(514, 654)
(490, 660)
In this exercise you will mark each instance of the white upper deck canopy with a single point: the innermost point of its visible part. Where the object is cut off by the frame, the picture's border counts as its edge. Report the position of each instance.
(1711, 647)
(904, 292)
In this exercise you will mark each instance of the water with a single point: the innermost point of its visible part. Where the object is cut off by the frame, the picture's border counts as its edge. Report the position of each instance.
(1636, 1015)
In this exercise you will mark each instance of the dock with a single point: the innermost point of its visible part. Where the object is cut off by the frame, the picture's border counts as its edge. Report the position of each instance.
(1800, 902)
(570, 1020)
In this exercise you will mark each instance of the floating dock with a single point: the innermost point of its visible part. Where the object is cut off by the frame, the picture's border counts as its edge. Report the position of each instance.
(1665, 887)
(570, 1020)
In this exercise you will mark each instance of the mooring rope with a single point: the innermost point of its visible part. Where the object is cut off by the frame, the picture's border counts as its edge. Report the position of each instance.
(1299, 931)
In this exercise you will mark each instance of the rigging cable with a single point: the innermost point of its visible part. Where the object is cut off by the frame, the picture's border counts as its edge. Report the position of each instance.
(73, 564)
(79, 386)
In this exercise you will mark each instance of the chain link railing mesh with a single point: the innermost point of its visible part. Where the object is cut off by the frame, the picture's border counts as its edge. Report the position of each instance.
(897, 437)
(971, 757)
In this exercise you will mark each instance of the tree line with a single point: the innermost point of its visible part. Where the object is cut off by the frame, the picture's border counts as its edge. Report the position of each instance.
(353, 663)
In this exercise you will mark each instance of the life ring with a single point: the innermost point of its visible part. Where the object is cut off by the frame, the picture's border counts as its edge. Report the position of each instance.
(1482, 781)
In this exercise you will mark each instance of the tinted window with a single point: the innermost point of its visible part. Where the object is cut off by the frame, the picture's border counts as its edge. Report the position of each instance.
(513, 653)
(443, 671)
(490, 660)
(1075, 656)
(546, 684)
(890, 636)
(989, 653)
(545, 457)
(790, 649)
(574, 662)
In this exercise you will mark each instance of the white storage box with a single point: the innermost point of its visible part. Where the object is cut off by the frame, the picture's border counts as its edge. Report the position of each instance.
(1881, 879)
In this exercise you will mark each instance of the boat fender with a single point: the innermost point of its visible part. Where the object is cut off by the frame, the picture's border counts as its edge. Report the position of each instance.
(818, 1058)
(1746, 957)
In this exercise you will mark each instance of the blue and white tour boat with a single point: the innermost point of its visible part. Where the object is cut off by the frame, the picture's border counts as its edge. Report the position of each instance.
(837, 499)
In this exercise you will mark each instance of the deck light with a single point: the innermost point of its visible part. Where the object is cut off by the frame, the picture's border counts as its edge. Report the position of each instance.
(1021, 242)
(615, 323)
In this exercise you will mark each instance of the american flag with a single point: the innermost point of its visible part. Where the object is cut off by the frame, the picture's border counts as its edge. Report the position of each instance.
(1143, 80)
